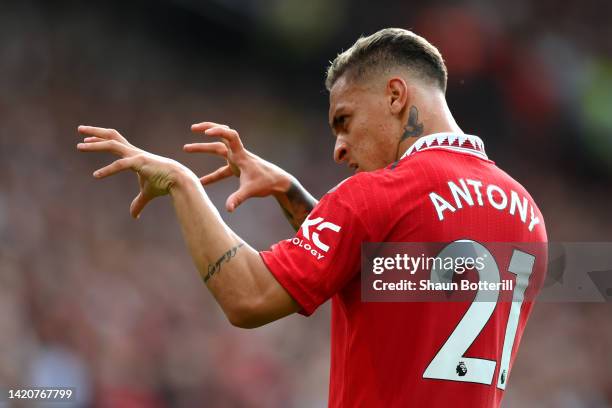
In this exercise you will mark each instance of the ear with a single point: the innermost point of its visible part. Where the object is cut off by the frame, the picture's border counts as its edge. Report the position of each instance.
(397, 90)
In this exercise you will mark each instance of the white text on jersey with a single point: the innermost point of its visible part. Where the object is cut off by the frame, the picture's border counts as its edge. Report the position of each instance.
(314, 236)
(464, 191)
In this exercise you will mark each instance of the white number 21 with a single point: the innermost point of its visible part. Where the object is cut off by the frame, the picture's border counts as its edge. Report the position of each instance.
(450, 362)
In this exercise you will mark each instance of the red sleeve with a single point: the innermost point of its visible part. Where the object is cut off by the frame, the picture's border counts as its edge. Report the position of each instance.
(325, 252)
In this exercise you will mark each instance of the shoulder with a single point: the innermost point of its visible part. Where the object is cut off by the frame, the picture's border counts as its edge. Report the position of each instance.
(357, 181)
(352, 195)
(360, 187)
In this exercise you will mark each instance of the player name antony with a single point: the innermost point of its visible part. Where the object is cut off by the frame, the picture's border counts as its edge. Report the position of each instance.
(463, 192)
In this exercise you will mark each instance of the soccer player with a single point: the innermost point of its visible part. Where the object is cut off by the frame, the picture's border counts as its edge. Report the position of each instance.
(418, 178)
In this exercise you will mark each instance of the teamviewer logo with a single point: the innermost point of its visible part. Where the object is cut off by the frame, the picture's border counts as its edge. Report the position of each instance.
(310, 231)
(320, 227)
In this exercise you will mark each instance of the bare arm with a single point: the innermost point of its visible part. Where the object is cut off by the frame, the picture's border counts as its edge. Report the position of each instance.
(296, 203)
(258, 177)
(234, 272)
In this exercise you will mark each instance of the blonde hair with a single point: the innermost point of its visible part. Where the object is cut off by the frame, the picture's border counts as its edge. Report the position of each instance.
(385, 49)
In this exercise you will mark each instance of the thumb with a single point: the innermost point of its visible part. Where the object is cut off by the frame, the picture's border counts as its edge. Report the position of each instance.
(235, 199)
(138, 204)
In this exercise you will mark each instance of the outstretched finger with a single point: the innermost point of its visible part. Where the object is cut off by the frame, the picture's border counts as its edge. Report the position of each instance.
(91, 139)
(219, 174)
(117, 166)
(103, 133)
(111, 146)
(217, 148)
(236, 198)
(203, 126)
(228, 135)
(138, 204)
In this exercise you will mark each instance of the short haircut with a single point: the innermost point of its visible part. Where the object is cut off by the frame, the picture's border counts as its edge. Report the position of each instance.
(386, 49)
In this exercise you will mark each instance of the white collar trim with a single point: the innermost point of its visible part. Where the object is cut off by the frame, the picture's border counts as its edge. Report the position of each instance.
(468, 144)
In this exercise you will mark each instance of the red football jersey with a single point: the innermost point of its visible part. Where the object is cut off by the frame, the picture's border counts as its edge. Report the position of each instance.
(417, 354)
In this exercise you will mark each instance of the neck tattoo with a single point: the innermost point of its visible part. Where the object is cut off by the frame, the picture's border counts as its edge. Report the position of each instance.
(413, 128)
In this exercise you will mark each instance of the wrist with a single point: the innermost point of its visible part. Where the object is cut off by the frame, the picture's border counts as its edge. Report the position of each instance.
(283, 184)
(182, 178)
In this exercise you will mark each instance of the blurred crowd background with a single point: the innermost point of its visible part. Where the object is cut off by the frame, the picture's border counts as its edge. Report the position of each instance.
(114, 307)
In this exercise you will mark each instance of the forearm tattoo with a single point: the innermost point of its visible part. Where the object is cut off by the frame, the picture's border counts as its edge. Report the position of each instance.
(299, 204)
(226, 257)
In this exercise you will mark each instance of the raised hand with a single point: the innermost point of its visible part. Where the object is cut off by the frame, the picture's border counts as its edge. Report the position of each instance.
(258, 177)
(156, 174)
